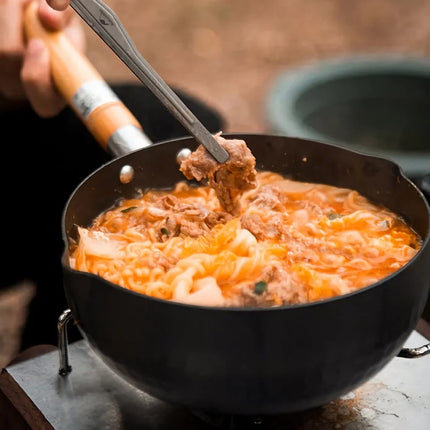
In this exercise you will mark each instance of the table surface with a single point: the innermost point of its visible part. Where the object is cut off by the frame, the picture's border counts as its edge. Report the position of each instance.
(93, 397)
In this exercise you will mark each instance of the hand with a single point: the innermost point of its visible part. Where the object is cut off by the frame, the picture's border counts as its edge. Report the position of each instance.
(25, 66)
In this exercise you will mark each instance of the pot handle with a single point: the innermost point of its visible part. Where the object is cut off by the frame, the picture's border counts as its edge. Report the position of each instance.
(414, 352)
(106, 117)
(63, 343)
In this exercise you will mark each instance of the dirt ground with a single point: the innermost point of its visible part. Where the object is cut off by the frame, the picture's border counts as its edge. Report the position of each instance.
(228, 53)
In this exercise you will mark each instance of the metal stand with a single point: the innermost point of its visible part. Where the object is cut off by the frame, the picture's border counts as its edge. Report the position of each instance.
(415, 352)
(65, 367)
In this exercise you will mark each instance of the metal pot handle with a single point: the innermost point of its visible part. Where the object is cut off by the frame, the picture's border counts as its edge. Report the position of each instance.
(414, 352)
(63, 343)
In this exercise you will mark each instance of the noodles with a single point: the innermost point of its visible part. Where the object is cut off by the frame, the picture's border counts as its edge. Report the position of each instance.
(285, 242)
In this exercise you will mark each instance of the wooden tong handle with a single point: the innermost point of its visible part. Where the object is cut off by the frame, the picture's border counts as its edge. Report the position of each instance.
(83, 88)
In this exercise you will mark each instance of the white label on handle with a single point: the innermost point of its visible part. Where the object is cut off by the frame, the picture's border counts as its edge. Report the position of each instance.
(91, 95)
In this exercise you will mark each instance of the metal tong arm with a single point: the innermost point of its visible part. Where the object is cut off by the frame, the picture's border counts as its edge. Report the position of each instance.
(109, 28)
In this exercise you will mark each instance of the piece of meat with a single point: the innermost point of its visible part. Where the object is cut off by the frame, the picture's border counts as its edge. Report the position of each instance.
(272, 227)
(254, 224)
(229, 179)
(280, 289)
(214, 218)
(269, 197)
(177, 218)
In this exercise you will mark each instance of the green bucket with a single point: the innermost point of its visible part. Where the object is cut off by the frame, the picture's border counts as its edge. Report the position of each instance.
(378, 104)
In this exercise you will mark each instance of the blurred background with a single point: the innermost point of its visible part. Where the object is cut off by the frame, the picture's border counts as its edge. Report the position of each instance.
(228, 52)
(229, 55)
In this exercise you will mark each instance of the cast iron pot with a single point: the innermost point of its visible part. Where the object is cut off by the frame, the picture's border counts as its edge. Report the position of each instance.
(250, 360)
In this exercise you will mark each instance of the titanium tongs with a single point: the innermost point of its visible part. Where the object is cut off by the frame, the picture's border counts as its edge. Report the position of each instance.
(109, 28)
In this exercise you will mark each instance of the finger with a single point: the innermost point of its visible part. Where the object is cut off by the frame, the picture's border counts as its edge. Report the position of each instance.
(37, 80)
(54, 19)
(58, 4)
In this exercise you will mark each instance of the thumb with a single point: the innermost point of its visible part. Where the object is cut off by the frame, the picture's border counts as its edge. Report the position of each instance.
(54, 19)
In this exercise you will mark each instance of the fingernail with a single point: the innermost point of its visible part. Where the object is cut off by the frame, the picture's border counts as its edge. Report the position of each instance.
(59, 4)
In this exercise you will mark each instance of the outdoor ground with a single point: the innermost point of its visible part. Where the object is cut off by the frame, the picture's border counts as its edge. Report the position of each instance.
(228, 52)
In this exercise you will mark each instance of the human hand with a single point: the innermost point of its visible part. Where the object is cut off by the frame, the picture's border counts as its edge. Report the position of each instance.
(25, 66)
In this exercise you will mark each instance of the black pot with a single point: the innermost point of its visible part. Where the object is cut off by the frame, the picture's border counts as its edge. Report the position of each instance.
(251, 360)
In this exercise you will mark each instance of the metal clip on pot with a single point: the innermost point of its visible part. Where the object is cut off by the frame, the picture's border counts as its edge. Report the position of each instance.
(106, 24)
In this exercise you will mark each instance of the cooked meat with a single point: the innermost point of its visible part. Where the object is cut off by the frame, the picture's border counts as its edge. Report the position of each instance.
(186, 219)
(269, 197)
(229, 179)
(254, 224)
(274, 227)
(278, 288)
(214, 218)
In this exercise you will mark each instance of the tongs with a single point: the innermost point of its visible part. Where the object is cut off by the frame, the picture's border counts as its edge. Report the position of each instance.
(109, 28)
